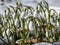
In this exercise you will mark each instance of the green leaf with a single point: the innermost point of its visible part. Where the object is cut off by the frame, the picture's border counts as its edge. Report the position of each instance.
(0, 32)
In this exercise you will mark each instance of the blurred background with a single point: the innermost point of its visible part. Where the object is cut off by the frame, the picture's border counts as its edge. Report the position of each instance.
(52, 3)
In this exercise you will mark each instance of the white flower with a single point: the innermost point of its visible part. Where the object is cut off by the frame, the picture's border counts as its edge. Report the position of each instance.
(43, 2)
(53, 37)
(46, 15)
(51, 40)
(23, 15)
(38, 7)
(7, 12)
(46, 33)
(57, 24)
(16, 22)
(18, 41)
(13, 15)
(11, 38)
(8, 32)
(15, 5)
(5, 38)
(4, 35)
(35, 14)
(31, 26)
(11, 21)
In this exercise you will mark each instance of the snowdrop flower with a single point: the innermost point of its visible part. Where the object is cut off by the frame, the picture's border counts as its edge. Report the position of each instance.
(31, 26)
(27, 23)
(10, 21)
(18, 41)
(13, 15)
(23, 15)
(26, 16)
(15, 5)
(43, 2)
(8, 32)
(11, 38)
(51, 40)
(12, 11)
(8, 12)
(38, 7)
(16, 22)
(46, 33)
(57, 24)
(4, 35)
(42, 15)
(38, 23)
(46, 15)
(53, 37)
(52, 13)
(35, 14)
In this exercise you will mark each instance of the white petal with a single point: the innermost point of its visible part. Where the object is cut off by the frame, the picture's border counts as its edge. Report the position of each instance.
(16, 22)
(46, 33)
(13, 15)
(11, 38)
(8, 32)
(51, 40)
(22, 15)
(4, 34)
(31, 26)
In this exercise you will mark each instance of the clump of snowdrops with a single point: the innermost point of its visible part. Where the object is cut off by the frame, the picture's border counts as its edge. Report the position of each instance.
(25, 25)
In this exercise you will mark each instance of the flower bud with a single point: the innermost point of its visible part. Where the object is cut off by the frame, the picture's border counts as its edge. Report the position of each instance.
(46, 33)
(8, 32)
(11, 38)
(22, 15)
(31, 26)
(16, 22)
